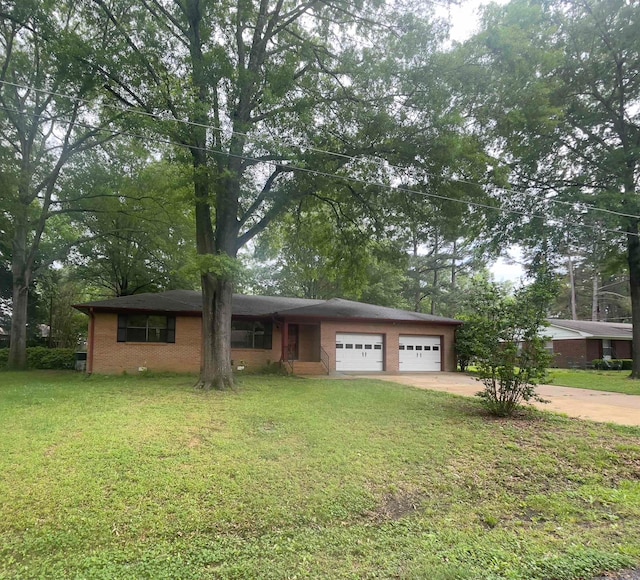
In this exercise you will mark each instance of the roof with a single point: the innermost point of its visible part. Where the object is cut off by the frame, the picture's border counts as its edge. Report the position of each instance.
(190, 302)
(592, 329)
(339, 308)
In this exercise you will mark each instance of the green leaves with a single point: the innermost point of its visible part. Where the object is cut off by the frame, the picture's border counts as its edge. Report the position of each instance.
(501, 337)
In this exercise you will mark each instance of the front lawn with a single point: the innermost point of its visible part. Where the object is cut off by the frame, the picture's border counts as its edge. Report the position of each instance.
(613, 381)
(141, 477)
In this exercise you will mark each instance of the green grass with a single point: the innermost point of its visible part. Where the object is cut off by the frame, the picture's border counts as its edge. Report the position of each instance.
(612, 381)
(143, 477)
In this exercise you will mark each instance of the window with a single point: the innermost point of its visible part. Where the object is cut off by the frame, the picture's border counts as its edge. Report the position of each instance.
(253, 334)
(379, 347)
(349, 346)
(418, 347)
(359, 346)
(436, 348)
(400, 348)
(339, 345)
(606, 348)
(367, 346)
(427, 348)
(146, 328)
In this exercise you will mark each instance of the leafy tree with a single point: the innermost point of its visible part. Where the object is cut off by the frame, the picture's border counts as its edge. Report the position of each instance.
(501, 336)
(57, 294)
(40, 131)
(263, 86)
(557, 96)
(320, 252)
(137, 223)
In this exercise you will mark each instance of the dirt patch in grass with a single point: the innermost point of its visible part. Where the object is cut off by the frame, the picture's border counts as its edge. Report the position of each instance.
(632, 574)
(397, 506)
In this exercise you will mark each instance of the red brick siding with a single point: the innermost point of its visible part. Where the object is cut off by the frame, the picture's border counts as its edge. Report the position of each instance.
(391, 332)
(594, 349)
(621, 348)
(570, 352)
(309, 342)
(110, 356)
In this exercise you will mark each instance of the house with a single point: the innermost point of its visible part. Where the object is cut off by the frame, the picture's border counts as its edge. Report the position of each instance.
(578, 342)
(163, 332)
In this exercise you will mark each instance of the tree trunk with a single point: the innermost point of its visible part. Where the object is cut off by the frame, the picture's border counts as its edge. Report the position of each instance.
(572, 283)
(217, 295)
(633, 256)
(417, 290)
(454, 265)
(222, 312)
(594, 298)
(21, 276)
(436, 281)
(18, 345)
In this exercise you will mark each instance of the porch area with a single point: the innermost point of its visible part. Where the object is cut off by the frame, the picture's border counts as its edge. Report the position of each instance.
(302, 352)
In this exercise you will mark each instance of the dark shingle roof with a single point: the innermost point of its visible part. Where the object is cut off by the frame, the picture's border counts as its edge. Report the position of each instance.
(339, 308)
(596, 329)
(190, 302)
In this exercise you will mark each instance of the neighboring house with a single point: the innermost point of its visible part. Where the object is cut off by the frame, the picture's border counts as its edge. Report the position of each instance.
(578, 342)
(163, 332)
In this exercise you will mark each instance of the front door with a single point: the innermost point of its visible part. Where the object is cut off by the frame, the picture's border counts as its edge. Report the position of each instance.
(292, 345)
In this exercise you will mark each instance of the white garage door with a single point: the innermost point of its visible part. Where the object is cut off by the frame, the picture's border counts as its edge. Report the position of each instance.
(420, 353)
(359, 352)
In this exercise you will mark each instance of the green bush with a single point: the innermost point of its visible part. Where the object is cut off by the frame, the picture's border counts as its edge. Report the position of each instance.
(40, 357)
(616, 364)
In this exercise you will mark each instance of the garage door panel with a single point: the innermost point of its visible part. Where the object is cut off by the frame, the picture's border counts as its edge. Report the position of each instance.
(359, 352)
(419, 353)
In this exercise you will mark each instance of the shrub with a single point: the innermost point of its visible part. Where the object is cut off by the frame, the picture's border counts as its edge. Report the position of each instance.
(40, 357)
(616, 364)
(502, 336)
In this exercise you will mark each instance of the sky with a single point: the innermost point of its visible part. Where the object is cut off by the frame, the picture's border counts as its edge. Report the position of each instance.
(464, 17)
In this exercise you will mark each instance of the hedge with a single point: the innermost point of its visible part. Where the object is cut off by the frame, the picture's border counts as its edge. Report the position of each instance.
(40, 357)
(616, 364)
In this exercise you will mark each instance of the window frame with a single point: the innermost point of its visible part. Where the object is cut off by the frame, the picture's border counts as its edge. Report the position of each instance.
(124, 328)
(259, 328)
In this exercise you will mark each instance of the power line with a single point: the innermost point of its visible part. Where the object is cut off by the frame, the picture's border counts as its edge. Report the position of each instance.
(327, 174)
(157, 117)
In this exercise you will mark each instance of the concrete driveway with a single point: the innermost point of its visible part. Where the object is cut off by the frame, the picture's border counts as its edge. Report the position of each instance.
(581, 403)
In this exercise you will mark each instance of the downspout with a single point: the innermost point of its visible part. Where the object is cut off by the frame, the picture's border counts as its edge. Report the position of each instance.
(92, 326)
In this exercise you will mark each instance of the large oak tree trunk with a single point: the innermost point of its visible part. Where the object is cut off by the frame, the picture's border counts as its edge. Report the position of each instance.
(633, 256)
(18, 345)
(20, 296)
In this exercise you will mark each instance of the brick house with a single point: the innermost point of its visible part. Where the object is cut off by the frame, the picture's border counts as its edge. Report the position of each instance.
(163, 332)
(578, 342)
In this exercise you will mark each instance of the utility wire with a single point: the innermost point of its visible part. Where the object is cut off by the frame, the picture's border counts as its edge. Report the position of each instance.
(157, 117)
(319, 173)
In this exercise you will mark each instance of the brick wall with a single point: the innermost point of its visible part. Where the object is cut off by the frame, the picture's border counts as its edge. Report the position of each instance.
(621, 348)
(594, 349)
(110, 356)
(113, 357)
(391, 333)
(568, 353)
(309, 342)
